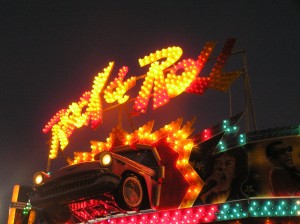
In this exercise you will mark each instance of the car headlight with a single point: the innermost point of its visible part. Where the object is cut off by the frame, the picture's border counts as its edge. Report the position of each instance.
(39, 178)
(105, 159)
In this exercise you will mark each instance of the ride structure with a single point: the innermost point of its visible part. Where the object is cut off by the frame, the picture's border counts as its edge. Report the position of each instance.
(220, 174)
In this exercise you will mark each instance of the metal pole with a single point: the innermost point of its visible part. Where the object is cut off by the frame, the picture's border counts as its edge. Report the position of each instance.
(120, 116)
(247, 126)
(129, 117)
(49, 160)
(250, 107)
(48, 164)
(230, 102)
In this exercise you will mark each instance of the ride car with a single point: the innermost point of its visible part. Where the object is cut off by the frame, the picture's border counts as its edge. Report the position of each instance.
(130, 176)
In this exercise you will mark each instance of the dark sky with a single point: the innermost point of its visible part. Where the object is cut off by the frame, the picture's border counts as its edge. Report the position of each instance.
(50, 52)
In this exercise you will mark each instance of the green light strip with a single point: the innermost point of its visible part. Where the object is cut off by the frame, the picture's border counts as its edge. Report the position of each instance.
(281, 207)
(231, 210)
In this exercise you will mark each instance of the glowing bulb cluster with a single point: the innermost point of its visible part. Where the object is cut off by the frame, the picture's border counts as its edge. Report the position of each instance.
(177, 84)
(155, 78)
(242, 139)
(27, 208)
(120, 87)
(203, 136)
(180, 142)
(55, 119)
(100, 146)
(171, 54)
(216, 72)
(230, 139)
(229, 211)
(200, 84)
(95, 105)
(271, 208)
(223, 80)
(228, 128)
(68, 121)
(80, 157)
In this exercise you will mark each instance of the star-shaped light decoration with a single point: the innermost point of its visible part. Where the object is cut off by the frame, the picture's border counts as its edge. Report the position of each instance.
(174, 147)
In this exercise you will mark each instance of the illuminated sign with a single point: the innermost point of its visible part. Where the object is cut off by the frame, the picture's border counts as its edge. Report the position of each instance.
(166, 78)
(266, 210)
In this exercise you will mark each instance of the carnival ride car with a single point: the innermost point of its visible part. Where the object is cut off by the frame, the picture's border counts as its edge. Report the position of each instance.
(121, 179)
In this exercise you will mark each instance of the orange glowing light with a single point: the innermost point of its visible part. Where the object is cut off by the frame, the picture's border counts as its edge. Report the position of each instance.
(221, 60)
(178, 84)
(95, 106)
(120, 87)
(183, 145)
(217, 79)
(155, 78)
(67, 121)
(55, 119)
(200, 84)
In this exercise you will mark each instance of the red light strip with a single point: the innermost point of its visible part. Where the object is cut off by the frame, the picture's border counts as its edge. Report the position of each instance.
(203, 214)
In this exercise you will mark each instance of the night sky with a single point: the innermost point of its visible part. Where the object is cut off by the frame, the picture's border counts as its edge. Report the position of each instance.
(50, 52)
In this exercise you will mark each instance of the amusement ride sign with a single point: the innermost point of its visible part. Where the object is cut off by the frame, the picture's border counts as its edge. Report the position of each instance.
(166, 78)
